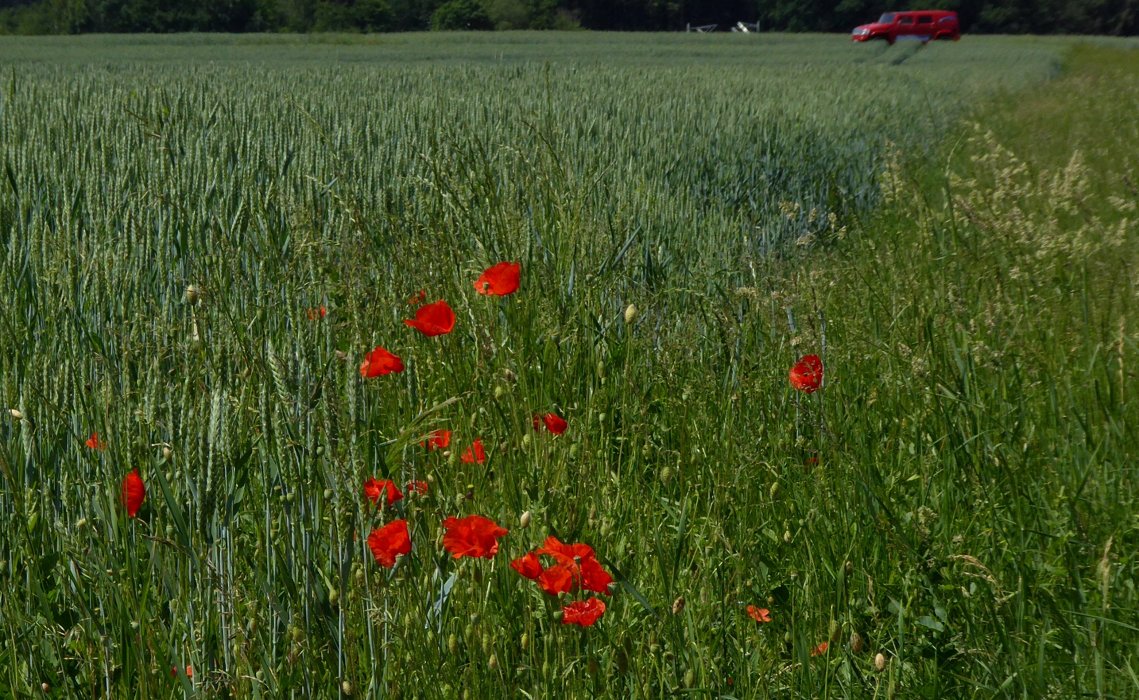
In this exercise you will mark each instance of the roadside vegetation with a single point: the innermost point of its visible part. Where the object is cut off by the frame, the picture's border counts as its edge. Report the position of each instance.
(201, 260)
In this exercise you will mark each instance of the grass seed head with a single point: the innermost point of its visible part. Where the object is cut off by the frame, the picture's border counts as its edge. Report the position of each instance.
(630, 313)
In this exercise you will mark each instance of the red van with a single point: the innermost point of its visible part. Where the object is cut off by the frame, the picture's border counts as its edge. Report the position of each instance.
(922, 25)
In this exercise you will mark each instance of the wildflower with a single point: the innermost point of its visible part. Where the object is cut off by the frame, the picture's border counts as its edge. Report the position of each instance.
(417, 298)
(388, 542)
(438, 440)
(475, 453)
(95, 443)
(380, 362)
(375, 489)
(500, 279)
(472, 536)
(820, 649)
(529, 566)
(630, 313)
(583, 612)
(576, 567)
(553, 422)
(316, 313)
(417, 487)
(759, 614)
(433, 319)
(807, 374)
(134, 493)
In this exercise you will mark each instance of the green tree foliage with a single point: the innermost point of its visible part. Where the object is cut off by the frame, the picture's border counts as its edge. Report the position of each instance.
(1118, 17)
(461, 14)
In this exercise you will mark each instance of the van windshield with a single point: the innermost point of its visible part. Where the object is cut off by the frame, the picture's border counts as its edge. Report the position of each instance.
(887, 18)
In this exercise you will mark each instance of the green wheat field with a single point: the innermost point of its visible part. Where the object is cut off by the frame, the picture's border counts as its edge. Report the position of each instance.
(204, 238)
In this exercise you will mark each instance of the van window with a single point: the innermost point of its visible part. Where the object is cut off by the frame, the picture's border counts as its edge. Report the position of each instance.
(946, 20)
(887, 18)
(906, 20)
(925, 19)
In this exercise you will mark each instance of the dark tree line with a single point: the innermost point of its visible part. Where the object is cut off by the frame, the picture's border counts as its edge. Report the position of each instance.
(1119, 17)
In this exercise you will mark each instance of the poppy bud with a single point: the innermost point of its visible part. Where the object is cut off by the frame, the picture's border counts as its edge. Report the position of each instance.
(601, 369)
(524, 521)
(880, 662)
(167, 453)
(665, 475)
(492, 662)
(16, 415)
(678, 605)
(689, 678)
(452, 643)
(80, 523)
(45, 687)
(630, 313)
(33, 521)
(509, 376)
(193, 294)
(774, 490)
(499, 391)
(787, 537)
(346, 688)
(856, 643)
(333, 597)
(524, 642)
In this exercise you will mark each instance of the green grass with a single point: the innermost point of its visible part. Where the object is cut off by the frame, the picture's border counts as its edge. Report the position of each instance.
(959, 497)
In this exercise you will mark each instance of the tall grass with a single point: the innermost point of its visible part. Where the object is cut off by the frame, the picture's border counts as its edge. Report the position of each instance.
(957, 498)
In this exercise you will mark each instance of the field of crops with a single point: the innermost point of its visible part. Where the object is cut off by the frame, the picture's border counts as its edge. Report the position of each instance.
(205, 242)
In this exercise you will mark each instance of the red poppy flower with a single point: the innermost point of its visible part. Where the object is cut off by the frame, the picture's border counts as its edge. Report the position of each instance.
(417, 298)
(565, 553)
(388, 542)
(316, 313)
(807, 374)
(380, 362)
(475, 453)
(134, 493)
(820, 649)
(375, 489)
(583, 612)
(576, 567)
(438, 440)
(95, 443)
(433, 319)
(417, 487)
(500, 280)
(472, 536)
(529, 566)
(189, 671)
(553, 422)
(759, 614)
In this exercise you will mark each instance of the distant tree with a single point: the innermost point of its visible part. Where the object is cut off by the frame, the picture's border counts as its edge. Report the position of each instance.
(353, 15)
(461, 14)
